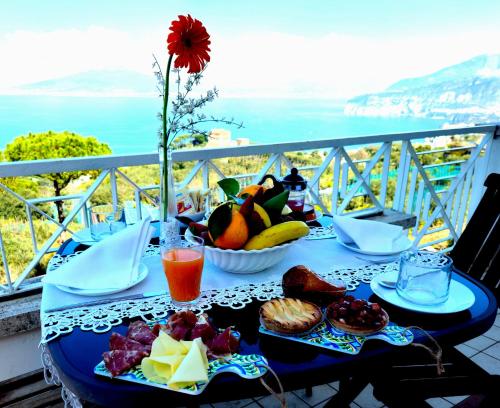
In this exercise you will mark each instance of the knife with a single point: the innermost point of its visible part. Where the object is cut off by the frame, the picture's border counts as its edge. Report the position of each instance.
(97, 302)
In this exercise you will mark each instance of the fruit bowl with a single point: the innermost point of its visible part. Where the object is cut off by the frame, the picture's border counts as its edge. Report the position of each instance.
(243, 261)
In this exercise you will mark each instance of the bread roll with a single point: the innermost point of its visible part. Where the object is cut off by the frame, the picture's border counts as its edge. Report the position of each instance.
(302, 283)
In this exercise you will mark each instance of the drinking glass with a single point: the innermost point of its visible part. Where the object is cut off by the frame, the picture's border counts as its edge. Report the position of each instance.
(105, 219)
(424, 277)
(182, 261)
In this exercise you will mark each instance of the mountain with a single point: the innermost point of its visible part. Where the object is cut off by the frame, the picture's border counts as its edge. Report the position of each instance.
(96, 83)
(468, 92)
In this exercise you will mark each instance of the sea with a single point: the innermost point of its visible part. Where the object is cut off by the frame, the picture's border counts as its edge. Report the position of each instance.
(130, 124)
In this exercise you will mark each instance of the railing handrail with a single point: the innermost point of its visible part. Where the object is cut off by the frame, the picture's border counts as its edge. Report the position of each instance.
(36, 167)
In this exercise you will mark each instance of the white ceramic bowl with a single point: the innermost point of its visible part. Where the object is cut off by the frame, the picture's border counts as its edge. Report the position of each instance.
(242, 261)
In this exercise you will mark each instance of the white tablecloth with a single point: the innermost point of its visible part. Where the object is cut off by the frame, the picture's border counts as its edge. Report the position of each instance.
(319, 255)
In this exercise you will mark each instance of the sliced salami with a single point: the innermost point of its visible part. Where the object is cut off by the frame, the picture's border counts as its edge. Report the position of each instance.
(186, 325)
(224, 343)
(159, 327)
(140, 331)
(203, 330)
(180, 324)
(119, 342)
(180, 332)
(118, 361)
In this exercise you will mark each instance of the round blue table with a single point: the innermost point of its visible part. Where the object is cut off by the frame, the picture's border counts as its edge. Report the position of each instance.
(298, 366)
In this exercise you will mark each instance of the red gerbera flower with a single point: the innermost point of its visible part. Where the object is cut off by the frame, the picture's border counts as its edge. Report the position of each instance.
(189, 40)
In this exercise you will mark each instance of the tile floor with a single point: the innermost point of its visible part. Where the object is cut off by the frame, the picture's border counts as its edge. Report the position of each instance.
(483, 350)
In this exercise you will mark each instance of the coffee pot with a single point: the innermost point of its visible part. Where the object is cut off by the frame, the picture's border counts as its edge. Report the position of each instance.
(296, 184)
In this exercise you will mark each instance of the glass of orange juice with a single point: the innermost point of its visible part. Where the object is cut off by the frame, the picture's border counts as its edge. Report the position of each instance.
(182, 261)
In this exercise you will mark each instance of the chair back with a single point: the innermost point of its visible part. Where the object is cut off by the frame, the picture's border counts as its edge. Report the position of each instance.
(477, 250)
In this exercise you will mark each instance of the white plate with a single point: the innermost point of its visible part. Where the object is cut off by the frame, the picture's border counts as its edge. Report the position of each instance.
(400, 245)
(83, 237)
(460, 298)
(143, 272)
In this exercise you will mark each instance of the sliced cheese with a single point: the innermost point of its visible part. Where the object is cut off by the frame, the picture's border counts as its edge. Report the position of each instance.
(165, 366)
(149, 370)
(187, 345)
(193, 367)
(166, 345)
(176, 363)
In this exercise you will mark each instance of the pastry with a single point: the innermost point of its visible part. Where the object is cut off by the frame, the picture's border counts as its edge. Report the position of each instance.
(302, 283)
(357, 316)
(289, 316)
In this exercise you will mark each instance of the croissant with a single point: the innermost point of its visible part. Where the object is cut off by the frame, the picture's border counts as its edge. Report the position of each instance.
(302, 283)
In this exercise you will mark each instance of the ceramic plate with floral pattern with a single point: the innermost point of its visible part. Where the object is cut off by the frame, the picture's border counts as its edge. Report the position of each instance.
(327, 336)
(249, 367)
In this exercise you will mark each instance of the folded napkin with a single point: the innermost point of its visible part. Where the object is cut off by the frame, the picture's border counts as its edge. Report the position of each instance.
(112, 263)
(368, 235)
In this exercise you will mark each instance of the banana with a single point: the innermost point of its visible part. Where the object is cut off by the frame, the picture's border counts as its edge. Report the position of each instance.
(259, 210)
(263, 214)
(277, 234)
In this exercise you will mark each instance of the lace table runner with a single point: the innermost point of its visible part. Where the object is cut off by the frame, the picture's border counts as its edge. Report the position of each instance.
(101, 318)
(51, 376)
(321, 233)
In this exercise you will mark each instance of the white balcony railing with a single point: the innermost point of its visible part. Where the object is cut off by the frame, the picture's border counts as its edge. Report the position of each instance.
(440, 200)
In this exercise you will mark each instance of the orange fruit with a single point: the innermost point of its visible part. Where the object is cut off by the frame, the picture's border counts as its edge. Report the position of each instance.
(252, 189)
(235, 235)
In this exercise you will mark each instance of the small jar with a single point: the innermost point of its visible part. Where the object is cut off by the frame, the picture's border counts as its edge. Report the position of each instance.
(297, 187)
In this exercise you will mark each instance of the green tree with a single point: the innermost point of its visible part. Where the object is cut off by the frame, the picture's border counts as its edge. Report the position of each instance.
(11, 207)
(52, 145)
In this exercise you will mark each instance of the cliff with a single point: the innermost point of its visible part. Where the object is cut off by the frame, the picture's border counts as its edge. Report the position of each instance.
(464, 93)
(95, 83)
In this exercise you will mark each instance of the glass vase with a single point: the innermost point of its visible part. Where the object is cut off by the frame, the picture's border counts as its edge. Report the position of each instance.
(169, 226)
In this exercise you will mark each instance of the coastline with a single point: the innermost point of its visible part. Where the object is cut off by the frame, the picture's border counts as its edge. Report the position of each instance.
(130, 125)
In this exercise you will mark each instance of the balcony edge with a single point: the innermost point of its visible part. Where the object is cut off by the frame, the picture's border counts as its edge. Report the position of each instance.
(20, 315)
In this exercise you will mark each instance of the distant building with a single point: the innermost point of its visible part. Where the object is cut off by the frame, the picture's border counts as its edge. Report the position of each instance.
(222, 138)
(438, 142)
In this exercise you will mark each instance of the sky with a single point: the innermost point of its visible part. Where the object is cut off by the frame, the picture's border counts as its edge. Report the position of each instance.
(271, 48)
